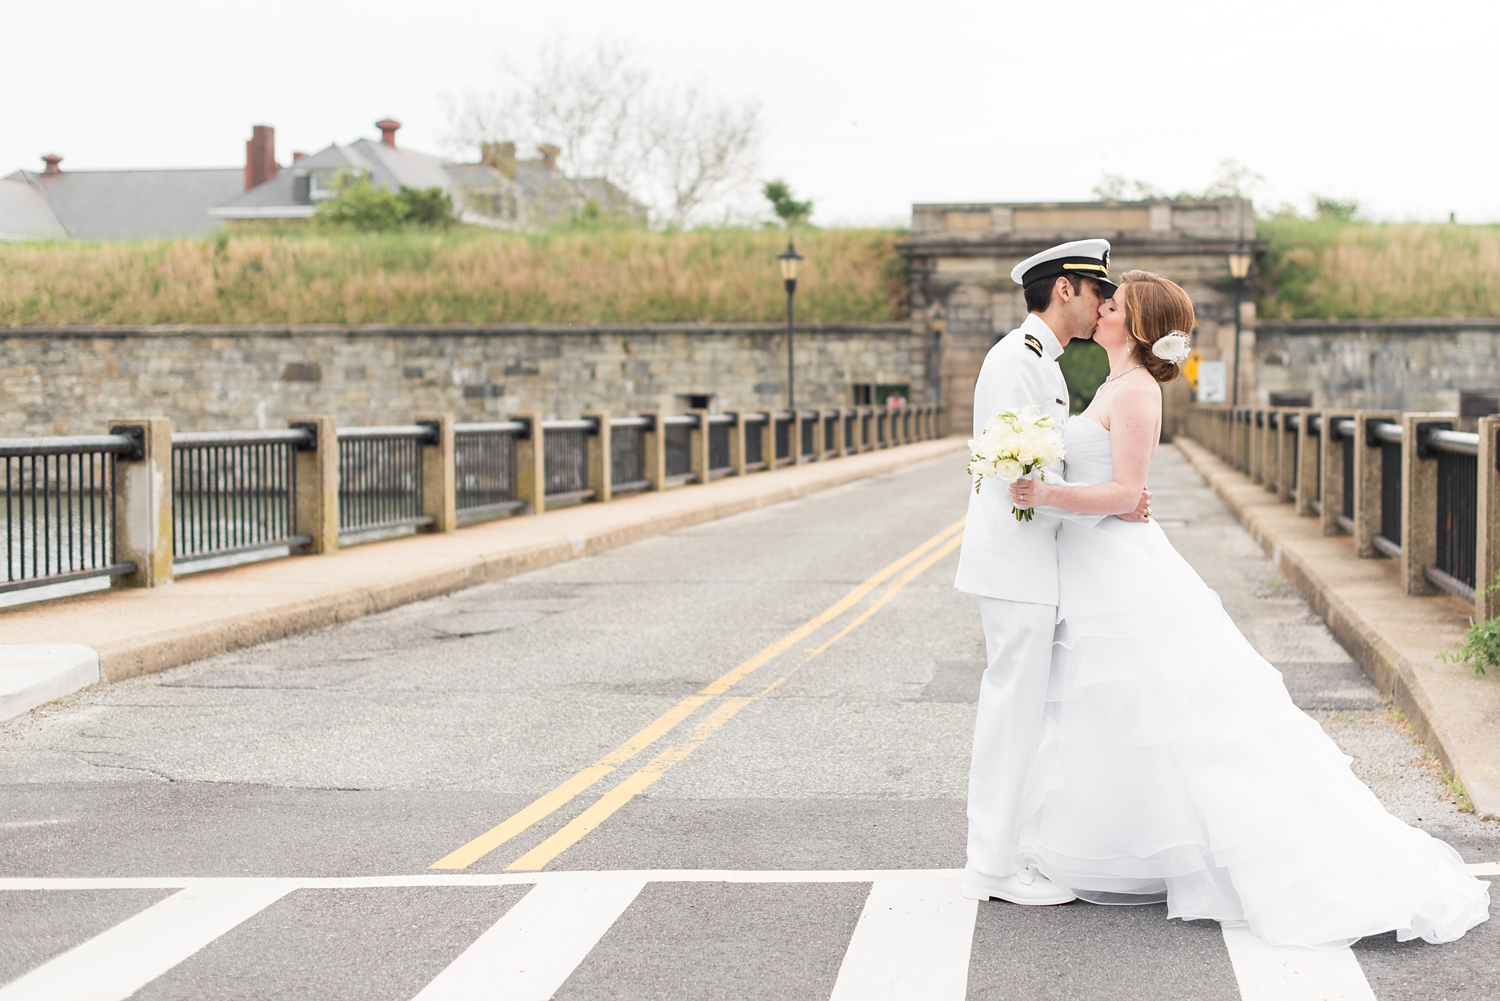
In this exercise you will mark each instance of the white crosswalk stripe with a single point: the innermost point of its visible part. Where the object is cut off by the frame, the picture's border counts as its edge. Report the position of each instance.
(136, 951)
(913, 935)
(912, 940)
(526, 955)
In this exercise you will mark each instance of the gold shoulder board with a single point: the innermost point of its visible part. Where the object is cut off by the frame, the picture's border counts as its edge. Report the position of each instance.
(1034, 344)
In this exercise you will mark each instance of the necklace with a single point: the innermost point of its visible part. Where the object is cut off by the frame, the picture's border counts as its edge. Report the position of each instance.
(1126, 372)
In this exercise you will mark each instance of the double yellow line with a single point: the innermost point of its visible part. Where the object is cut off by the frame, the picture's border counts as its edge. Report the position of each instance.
(913, 563)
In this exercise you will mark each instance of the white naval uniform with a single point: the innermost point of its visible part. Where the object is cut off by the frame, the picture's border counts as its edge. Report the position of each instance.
(1012, 566)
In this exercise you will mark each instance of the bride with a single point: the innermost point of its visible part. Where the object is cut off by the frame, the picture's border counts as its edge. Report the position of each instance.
(1174, 766)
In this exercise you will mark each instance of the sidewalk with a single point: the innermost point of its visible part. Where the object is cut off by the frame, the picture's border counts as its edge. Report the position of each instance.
(138, 631)
(1394, 636)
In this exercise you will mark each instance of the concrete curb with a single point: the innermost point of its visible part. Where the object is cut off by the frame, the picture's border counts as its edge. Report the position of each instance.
(1395, 637)
(33, 674)
(140, 631)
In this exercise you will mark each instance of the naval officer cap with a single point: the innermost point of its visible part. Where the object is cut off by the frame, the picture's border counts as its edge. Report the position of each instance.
(1084, 258)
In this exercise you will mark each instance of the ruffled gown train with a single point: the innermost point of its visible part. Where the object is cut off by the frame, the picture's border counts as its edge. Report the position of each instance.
(1174, 766)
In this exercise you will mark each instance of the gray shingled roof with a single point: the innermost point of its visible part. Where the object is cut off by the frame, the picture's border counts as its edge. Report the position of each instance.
(25, 214)
(133, 204)
(483, 195)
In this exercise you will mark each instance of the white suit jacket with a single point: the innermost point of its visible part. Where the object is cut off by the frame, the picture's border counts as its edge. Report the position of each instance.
(1002, 557)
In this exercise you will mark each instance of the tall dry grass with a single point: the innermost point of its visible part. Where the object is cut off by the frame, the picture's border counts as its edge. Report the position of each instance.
(1329, 269)
(459, 277)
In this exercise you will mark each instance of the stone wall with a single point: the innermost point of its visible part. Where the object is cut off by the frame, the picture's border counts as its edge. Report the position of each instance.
(72, 380)
(1409, 365)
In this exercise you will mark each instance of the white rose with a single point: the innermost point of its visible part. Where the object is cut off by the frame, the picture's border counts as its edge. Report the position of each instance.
(1008, 470)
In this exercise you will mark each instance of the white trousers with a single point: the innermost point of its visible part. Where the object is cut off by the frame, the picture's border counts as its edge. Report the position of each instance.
(1012, 697)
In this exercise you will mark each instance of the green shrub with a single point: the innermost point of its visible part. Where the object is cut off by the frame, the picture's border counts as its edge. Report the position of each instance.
(359, 203)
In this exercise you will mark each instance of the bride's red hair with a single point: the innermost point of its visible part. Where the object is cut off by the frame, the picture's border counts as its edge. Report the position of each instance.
(1154, 307)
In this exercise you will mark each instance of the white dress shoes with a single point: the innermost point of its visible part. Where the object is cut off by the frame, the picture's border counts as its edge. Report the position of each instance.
(1027, 887)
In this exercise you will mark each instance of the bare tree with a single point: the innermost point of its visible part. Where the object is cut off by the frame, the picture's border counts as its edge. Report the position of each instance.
(697, 149)
(678, 149)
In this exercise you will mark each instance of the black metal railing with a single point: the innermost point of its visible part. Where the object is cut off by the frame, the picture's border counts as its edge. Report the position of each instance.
(677, 438)
(720, 457)
(809, 435)
(484, 469)
(627, 454)
(565, 458)
(60, 508)
(1343, 432)
(784, 421)
(235, 492)
(380, 476)
(851, 430)
(1457, 455)
(1386, 435)
(755, 453)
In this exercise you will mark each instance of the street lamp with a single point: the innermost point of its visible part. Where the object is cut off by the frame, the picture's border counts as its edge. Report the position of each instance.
(1239, 266)
(789, 263)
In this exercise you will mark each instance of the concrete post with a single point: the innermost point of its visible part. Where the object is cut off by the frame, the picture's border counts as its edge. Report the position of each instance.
(1257, 456)
(1308, 481)
(1487, 519)
(1331, 448)
(601, 470)
(1367, 473)
(1419, 499)
(143, 502)
(440, 474)
(840, 425)
(318, 484)
(795, 434)
(655, 446)
(737, 442)
(698, 446)
(1286, 458)
(531, 465)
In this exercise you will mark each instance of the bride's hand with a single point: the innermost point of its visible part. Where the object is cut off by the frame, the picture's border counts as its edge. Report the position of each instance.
(1029, 493)
(1142, 510)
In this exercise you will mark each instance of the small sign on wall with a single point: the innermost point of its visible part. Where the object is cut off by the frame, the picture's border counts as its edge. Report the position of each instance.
(1213, 382)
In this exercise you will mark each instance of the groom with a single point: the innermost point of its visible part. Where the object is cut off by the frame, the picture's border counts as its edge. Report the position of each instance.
(1012, 566)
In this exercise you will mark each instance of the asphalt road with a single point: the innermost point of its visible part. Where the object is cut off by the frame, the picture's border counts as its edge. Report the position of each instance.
(388, 745)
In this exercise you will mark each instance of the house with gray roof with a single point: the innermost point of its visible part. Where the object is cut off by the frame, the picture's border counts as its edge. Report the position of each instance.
(500, 191)
(55, 204)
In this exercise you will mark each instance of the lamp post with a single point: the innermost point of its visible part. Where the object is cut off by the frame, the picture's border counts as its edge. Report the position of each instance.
(789, 262)
(1239, 267)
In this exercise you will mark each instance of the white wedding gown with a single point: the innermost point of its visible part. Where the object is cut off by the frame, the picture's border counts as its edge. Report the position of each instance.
(1174, 766)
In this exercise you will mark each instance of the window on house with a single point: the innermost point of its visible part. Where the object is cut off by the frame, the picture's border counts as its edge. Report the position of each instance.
(864, 394)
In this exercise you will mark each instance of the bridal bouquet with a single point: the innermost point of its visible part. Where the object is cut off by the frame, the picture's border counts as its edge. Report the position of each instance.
(1012, 445)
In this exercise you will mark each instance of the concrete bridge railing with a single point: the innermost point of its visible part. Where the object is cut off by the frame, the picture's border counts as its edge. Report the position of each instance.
(1403, 485)
(142, 503)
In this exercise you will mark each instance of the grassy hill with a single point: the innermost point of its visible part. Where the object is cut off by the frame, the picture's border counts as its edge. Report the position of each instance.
(1331, 269)
(462, 276)
(1312, 268)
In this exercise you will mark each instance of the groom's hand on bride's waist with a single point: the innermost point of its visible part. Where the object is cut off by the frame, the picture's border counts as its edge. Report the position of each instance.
(1142, 510)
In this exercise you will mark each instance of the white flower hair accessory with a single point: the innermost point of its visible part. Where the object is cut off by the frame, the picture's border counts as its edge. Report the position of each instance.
(1173, 348)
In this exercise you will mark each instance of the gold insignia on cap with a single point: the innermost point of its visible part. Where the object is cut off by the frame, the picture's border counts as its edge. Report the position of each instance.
(1034, 344)
(1087, 267)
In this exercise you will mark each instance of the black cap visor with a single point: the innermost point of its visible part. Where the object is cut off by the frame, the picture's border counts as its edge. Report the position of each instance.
(1081, 267)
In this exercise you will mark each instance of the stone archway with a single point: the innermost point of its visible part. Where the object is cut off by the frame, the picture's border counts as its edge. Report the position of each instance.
(960, 257)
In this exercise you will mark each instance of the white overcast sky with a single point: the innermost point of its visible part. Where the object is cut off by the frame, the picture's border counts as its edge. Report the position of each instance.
(870, 106)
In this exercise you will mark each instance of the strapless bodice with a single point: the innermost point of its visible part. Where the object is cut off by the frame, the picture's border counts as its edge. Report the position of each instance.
(1089, 459)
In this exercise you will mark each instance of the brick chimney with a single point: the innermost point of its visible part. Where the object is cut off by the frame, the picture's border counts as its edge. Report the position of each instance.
(298, 155)
(549, 155)
(501, 156)
(388, 127)
(260, 156)
(52, 160)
